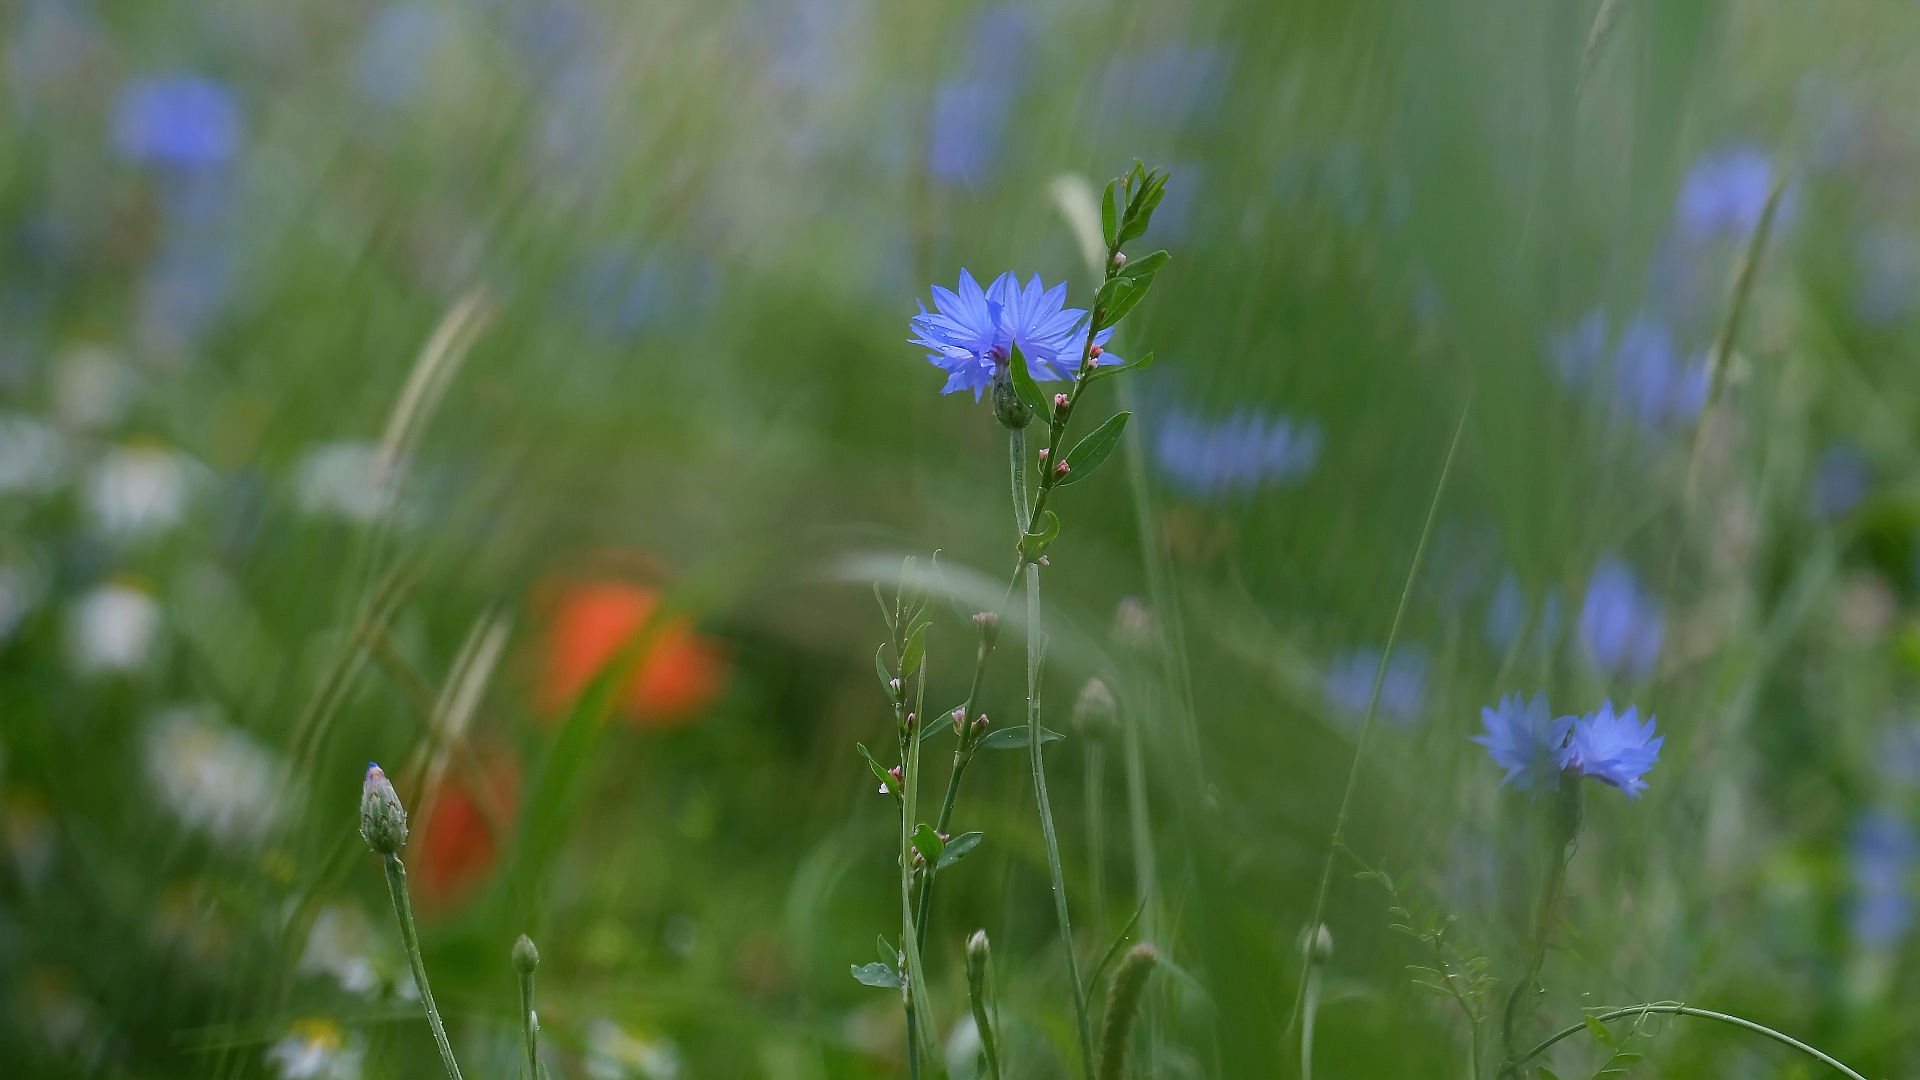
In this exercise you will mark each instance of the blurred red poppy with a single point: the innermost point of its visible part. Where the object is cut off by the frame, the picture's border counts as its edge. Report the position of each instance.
(457, 845)
(679, 673)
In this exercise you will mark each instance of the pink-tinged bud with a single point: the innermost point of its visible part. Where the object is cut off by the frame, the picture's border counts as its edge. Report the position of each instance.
(1043, 455)
(895, 773)
(1096, 351)
(1119, 260)
(960, 720)
(893, 687)
(1042, 560)
(980, 723)
(944, 837)
(988, 623)
(911, 720)
(1062, 469)
(383, 821)
(1060, 402)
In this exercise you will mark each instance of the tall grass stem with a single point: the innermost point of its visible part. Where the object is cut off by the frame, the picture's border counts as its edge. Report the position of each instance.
(403, 908)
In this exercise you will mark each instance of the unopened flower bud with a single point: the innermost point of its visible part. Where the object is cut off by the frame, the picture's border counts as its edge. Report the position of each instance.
(1119, 260)
(960, 720)
(979, 960)
(893, 687)
(1095, 710)
(1060, 403)
(1134, 626)
(383, 821)
(1062, 469)
(1321, 950)
(1043, 455)
(911, 721)
(1095, 351)
(1042, 560)
(980, 723)
(988, 623)
(1012, 413)
(525, 956)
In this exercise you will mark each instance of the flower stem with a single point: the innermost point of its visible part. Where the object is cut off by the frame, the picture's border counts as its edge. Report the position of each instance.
(403, 907)
(1016, 452)
(1338, 840)
(1672, 1008)
(529, 1026)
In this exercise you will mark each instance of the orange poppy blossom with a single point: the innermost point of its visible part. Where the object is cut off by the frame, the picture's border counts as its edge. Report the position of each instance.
(679, 673)
(457, 846)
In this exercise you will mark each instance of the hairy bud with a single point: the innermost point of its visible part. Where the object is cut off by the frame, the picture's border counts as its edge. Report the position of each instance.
(1012, 413)
(988, 623)
(1119, 260)
(1094, 711)
(525, 956)
(1123, 1006)
(383, 821)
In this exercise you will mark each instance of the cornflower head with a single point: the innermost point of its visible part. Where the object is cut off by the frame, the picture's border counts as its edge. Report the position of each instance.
(1616, 750)
(973, 331)
(1525, 740)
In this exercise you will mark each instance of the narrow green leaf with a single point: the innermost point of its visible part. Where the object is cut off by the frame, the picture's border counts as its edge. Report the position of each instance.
(1548, 1074)
(886, 613)
(887, 952)
(928, 843)
(1087, 455)
(1027, 390)
(1113, 950)
(880, 668)
(877, 974)
(1145, 265)
(957, 849)
(1600, 1031)
(929, 730)
(1014, 738)
(1126, 299)
(1033, 543)
(882, 774)
(916, 649)
(1109, 215)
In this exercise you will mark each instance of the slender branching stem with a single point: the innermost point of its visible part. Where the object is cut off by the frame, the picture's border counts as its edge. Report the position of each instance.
(1046, 817)
(1338, 840)
(1674, 1008)
(403, 908)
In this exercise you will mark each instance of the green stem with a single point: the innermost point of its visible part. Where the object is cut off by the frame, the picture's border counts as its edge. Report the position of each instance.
(1338, 840)
(530, 1026)
(1675, 1009)
(403, 907)
(1016, 451)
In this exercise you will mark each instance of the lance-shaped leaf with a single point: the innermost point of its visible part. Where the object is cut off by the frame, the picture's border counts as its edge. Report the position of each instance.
(1145, 266)
(877, 974)
(1026, 389)
(1033, 543)
(928, 843)
(1115, 369)
(1014, 738)
(916, 650)
(1109, 215)
(886, 778)
(957, 849)
(1087, 455)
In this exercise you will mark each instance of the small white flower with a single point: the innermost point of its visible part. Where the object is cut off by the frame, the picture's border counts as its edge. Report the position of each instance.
(316, 1049)
(613, 1053)
(33, 455)
(93, 388)
(113, 629)
(138, 490)
(213, 777)
(342, 944)
(344, 478)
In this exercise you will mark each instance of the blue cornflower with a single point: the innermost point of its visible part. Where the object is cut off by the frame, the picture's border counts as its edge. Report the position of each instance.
(178, 120)
(1652, 380)
(1616, 750)
(975, 329)
(1724, 194)
(1882, 856)
(1244, 451)
(1349, 682)
(1620, 625)
(1526, 741)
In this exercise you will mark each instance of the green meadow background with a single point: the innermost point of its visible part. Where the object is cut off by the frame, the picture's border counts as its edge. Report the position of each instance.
(340, 340)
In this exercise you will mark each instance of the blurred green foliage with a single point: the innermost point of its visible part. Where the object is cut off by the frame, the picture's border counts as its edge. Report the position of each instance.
(672, 249)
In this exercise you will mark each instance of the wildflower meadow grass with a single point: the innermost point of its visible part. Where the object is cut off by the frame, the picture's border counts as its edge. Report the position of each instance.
(991, 540)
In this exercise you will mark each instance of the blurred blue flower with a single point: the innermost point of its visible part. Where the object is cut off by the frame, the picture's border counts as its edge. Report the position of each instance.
(1887, 265)
(970, 109)
(1616, 750)
(975, 329)
(1882, 853)
(397, 52)
(1212, 458)
(1841, 480)
(1576, 352)
(1349, 682)
(1724, 194)
(184, 121)
(1650, 379)
(1527, 741)
(1620, 625)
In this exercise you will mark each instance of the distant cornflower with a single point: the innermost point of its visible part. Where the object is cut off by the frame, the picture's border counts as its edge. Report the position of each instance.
(183, 121)
(1527, 741)
(975, 329)
(1724, 194)
(1349, 682)
(1882, 856)
(1620, 625)
(1615, 750)
(1242, 452)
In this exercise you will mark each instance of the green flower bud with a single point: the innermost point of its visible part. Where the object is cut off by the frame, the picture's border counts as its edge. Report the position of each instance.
(525, 956)
(1007, 406)
(1095, 710)
(383, 821)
